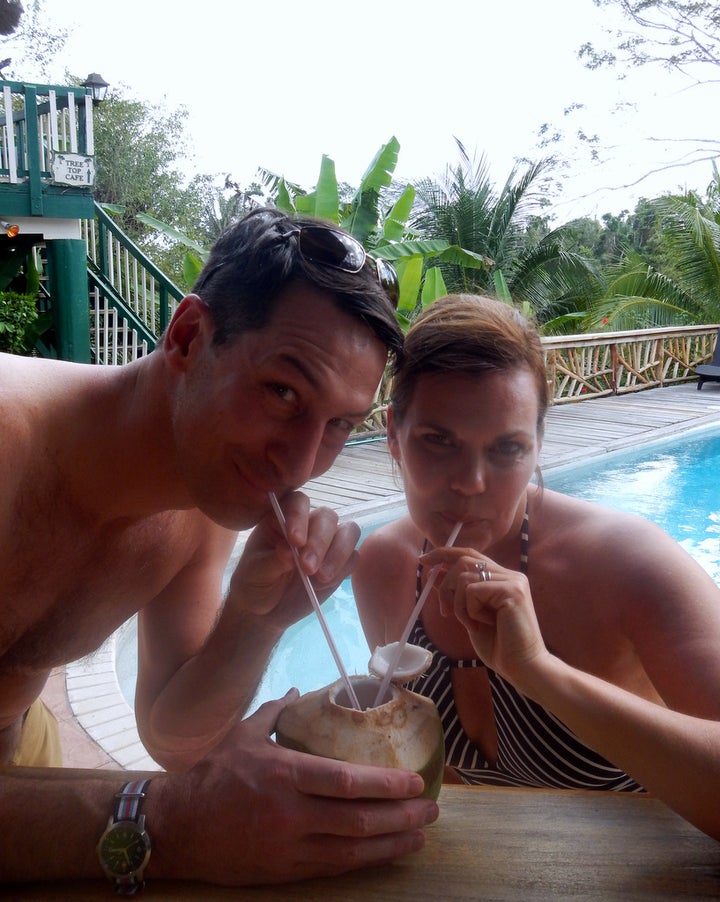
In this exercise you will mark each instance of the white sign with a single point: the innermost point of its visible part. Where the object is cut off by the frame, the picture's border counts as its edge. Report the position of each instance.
(73, 169)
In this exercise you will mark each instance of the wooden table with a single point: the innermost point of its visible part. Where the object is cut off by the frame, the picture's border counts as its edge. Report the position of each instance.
(499, 844)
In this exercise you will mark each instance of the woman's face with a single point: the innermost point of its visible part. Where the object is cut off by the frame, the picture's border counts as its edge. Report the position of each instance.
(467, 447)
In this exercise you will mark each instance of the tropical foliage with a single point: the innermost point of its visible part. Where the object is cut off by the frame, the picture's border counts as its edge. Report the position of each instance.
(638, 295)
(368, 213)
(21, 322)
(525, 262)
(382, 225)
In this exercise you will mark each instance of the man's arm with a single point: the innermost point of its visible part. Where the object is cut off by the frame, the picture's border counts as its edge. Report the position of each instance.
(199, 668)
(249, 813)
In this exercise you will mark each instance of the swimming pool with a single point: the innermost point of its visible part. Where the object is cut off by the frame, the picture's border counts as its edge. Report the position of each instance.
(675, 483)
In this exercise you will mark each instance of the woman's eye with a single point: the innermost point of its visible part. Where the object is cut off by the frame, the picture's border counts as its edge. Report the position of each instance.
(438, 438)
(509, 450)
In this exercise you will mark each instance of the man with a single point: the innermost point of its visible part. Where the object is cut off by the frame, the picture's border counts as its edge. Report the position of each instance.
(123, 490)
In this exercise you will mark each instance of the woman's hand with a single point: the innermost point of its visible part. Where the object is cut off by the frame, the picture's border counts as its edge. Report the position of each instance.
(493, 604)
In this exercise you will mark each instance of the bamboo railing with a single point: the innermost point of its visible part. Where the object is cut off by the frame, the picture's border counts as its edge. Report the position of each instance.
(614, 363)
(580, 367)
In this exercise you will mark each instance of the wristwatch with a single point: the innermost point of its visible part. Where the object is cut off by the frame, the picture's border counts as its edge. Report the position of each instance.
(124, 847)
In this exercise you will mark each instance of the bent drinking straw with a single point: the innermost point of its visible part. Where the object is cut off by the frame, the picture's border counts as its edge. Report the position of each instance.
(397, 653)
(315, 603)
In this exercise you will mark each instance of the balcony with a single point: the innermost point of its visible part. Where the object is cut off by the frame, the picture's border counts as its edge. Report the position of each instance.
(46, 156)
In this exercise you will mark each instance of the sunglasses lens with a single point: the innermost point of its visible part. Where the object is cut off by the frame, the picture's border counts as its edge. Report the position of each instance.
(331, 248)
(388, 280)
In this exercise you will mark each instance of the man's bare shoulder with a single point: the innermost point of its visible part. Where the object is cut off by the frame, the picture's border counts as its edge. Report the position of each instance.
(29, 385)
(17, 413)
(29, 388)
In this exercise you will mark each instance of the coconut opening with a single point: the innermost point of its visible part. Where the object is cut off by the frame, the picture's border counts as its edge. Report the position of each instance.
(366, 689)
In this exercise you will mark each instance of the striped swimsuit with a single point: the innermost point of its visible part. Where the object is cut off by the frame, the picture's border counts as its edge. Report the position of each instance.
(534, 747)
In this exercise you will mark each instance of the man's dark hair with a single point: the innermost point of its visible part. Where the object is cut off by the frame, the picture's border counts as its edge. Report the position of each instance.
(257, 257)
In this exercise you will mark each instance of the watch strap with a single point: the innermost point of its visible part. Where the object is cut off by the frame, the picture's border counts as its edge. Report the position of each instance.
(129, 800)
(128, 809)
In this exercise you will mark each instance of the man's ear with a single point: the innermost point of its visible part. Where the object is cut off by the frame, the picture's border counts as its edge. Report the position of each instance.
(190, 330)
(391, 435)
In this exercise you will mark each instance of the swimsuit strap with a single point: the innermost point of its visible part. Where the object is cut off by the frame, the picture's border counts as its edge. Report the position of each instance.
(525, 542)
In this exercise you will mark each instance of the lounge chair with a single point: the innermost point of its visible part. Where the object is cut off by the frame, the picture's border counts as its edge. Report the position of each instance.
(710, 372)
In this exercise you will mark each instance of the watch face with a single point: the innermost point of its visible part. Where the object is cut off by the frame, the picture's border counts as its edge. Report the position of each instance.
(124, 849)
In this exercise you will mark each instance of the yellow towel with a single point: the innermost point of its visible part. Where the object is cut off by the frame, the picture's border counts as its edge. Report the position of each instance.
(39, 744)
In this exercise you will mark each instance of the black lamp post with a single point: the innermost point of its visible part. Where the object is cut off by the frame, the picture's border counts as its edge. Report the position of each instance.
(98, 86)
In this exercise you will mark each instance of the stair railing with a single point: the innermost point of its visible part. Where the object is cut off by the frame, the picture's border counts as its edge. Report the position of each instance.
(132, 301)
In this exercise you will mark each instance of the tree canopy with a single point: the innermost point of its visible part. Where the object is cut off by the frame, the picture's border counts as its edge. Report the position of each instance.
(679, 35)
(29, 39)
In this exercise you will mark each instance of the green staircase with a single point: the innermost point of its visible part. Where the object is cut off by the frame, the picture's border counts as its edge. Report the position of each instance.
(108, 301)
(131, 300)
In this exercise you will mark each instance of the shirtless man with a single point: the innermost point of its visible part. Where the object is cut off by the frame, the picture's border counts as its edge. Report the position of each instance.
(123, 490)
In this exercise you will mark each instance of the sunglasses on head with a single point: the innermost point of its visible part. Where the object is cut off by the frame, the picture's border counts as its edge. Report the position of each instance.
(330, 247)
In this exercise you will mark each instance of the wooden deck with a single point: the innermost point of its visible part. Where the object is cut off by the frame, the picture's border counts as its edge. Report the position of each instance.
(362, 482)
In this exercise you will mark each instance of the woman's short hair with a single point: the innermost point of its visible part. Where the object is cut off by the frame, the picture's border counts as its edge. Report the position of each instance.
(474, 335)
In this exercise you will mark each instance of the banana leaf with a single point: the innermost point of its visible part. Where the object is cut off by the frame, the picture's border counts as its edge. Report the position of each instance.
(433, 286)
(175, 234)
(364, 214)
(396, 221)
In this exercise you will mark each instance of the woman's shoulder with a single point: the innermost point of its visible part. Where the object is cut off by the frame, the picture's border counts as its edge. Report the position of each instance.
(557, 510)
(399, 536)
(573, 527)
(387, 554)
(383, 578)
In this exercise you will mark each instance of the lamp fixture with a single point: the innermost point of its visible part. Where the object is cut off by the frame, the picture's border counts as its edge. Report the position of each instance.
(98, 87)
(9, 229)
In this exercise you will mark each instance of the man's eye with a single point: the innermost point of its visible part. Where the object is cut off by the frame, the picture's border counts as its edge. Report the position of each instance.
(341, 424)
(284, 392)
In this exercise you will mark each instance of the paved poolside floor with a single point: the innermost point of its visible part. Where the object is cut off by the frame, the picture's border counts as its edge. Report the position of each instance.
(96, 723)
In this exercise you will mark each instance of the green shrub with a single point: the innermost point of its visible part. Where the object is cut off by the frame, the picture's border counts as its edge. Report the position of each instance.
(20, 322)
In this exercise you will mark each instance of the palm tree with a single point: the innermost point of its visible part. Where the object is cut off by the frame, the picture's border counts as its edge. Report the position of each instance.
(636, 295)
(534, 271)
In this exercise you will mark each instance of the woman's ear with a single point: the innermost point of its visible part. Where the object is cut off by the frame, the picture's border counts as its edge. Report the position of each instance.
(392, 439)
(190, 330)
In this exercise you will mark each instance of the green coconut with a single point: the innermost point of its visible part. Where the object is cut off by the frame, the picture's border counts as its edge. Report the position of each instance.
(404, 732)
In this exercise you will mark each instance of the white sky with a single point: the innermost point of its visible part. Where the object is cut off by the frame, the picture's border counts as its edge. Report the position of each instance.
(278, 84)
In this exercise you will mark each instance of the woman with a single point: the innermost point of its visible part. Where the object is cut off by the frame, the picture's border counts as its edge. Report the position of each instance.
(562, 632)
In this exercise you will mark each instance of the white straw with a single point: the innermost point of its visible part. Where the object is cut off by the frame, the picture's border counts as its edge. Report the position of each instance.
(397, 653)
(316, 604)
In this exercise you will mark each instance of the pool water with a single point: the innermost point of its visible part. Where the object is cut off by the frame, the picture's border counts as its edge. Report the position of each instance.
(675, 483)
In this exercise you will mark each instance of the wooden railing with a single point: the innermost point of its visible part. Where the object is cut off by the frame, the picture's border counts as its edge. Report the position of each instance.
(580, 367)
(613, 363)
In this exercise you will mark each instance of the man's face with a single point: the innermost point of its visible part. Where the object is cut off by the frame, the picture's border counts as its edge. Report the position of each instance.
(272, 409)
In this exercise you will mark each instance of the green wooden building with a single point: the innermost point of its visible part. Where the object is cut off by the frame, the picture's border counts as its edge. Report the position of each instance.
(108, 302)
